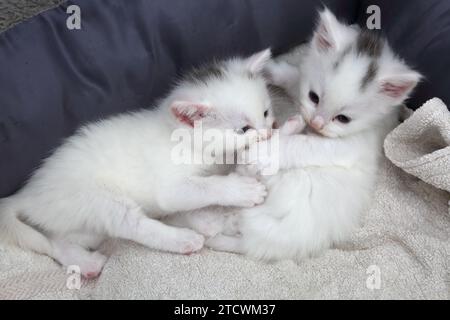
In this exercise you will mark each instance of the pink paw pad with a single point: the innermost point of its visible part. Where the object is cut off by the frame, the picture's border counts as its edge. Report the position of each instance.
(91, 275)
(188, 250)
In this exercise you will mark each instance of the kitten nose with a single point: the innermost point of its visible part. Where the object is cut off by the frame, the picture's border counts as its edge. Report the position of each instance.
(317, 123)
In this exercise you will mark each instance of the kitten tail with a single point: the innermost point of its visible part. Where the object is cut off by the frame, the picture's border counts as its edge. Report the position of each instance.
(14, 231)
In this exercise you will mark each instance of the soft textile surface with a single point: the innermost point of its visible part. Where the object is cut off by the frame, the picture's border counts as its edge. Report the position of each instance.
(421, 145)
(405, 237)
(15, 11)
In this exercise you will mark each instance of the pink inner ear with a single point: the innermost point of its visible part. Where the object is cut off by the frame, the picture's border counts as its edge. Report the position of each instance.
(322, 42)
(396, 90)
(321, 37)
(189, 113)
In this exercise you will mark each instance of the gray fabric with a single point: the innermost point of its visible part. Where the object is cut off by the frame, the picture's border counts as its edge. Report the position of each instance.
(405, 235)
(15, 11)
(27, 275)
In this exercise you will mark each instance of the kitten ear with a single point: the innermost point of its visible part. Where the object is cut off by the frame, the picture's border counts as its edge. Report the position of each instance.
(281, 74)
(326, 36)
(255, 64)
(188, 112)
(398, 86)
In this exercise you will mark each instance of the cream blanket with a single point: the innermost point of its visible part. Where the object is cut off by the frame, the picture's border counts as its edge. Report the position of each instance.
(401, 252)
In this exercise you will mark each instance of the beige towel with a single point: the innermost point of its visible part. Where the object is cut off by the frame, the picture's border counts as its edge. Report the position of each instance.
(421, 145)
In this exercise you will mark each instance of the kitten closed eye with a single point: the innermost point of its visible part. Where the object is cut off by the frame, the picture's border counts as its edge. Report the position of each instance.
(342, 118)
(244, 129)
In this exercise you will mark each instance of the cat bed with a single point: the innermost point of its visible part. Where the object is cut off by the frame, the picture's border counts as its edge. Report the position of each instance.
(127, 55)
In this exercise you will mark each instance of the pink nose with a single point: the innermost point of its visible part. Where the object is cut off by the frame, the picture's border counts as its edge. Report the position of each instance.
(317, 123)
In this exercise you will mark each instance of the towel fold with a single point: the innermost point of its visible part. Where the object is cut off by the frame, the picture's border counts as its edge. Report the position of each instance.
(421, 145)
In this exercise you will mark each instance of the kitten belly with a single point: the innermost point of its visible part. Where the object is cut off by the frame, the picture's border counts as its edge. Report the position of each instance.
(286, 189)
(307, 210)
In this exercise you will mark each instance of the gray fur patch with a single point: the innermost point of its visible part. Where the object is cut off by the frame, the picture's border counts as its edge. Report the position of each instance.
(36, 227)
(277, 91)
(342, 56)
(284, 105)
(369, 43)
(205, 72)
(370, 75)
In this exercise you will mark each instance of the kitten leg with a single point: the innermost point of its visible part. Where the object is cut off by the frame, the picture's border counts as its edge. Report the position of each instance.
(231, 227)
(134, 225)
(68, 254)
(299, 151)
(225, 243)
(199, 192)
(86, 240)
(206, 222)
(117, 216)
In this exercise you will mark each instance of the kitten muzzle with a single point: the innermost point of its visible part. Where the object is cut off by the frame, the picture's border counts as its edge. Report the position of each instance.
(317, 123)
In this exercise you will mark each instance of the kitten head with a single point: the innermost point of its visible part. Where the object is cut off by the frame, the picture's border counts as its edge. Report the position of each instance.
(350, 79)
(231, 95)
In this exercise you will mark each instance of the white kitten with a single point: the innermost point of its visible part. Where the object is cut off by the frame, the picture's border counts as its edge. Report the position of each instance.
(113, 177)
(350, 85)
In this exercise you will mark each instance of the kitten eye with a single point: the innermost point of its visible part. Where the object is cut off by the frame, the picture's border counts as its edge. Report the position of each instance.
(314, 97)
(244, 129)
(343, 119)
(266, 113)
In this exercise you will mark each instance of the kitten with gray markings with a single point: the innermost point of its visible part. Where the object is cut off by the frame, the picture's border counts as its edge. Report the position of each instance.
(348, 92)
(116, 178)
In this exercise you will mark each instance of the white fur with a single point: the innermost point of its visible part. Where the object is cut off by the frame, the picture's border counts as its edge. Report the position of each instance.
(113, 178)
(326, 178)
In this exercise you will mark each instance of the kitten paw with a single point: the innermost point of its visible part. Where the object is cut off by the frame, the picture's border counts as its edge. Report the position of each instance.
(293, 125)
(188, 242)
(263, 158)
(244, 192)
(210, 227)
(91, 266)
